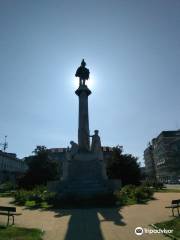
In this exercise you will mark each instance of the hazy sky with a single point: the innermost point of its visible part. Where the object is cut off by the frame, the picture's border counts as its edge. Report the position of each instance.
(132, 48)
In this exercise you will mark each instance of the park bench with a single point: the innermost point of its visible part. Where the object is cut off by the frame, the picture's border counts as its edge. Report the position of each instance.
(9, 211)
(175, 204)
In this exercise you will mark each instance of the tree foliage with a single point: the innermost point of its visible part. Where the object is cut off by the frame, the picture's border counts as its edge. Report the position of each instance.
(124, 167)
(41, 169)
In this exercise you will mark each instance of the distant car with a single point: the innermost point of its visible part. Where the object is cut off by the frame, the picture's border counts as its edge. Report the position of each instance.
(174, 181)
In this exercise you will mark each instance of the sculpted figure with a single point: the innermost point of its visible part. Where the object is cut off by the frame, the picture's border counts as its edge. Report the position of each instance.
(96, 145)
(74, 148)
(96, 142)
(83, 73)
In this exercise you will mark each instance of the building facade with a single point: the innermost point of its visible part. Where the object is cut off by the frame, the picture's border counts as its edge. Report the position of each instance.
(150, 170)
(10, 167)
(162, 157)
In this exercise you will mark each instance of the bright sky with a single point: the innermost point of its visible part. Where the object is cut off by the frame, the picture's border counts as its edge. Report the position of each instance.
(132, 48)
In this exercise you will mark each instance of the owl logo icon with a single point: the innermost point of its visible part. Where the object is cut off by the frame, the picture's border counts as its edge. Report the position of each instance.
(139, 231)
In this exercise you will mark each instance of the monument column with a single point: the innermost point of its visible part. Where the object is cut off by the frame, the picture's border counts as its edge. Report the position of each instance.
(83, 130)
(83, 92)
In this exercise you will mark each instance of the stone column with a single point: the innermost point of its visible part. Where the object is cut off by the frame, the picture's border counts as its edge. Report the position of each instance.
(83, 131)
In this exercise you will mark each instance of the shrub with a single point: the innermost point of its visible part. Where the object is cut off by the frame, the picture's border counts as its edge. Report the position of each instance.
(154, 184)
(37, 196)
(143, 193)
(44, 205)
(30, 204)
(7, 186)
(131, 194)
(158, 185)
(21, 196)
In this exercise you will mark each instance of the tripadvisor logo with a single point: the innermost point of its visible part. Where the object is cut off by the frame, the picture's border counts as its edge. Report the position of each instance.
(139, 231)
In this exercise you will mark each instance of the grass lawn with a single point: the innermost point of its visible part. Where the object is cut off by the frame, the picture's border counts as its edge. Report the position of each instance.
(172, 224)
(16, 233)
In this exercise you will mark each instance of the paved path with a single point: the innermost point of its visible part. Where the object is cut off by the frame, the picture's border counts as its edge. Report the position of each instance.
(99, 223)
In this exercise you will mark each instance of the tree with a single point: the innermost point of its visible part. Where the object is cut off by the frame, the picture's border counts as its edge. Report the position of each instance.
(41, 169)
(124, 167)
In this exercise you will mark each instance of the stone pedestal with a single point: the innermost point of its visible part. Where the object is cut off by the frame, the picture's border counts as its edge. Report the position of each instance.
(86, 166)
(85, 178)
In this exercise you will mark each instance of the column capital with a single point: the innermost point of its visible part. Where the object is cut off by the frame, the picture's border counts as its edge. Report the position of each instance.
(83, 88)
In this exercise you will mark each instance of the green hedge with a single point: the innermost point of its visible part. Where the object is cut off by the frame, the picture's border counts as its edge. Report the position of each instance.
(154, 184)
(39, 196)
(131, 194)
(6, 187)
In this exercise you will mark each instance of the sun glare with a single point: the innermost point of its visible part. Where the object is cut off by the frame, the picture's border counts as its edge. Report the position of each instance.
(89, 82)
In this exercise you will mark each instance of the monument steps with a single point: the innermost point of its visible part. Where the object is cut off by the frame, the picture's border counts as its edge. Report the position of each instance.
(85, 192)
(83, 181)
(92, 185)
(84, 187)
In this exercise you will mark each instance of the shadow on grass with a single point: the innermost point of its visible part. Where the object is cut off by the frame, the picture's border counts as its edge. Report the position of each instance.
(173, 224)
(3, 227)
